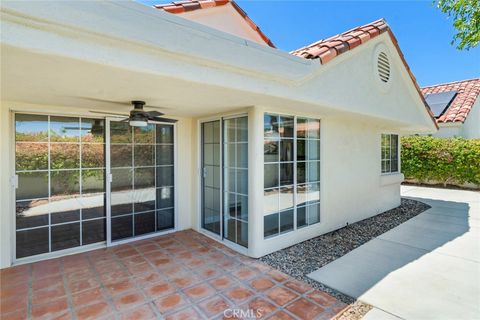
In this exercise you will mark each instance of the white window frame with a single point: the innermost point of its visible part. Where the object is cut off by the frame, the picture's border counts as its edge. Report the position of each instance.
(390, 159)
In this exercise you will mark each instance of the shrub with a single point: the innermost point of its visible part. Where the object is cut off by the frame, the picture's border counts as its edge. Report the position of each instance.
(441, 160)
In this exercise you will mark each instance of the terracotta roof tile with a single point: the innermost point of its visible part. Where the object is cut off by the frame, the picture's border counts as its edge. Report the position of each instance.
(468, 92)
(191, 5)
(326, 50)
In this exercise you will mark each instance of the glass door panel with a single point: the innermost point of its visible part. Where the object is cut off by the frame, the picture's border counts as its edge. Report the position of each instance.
(235, 186)
(211, 179)
(61, 190)
(142, 187)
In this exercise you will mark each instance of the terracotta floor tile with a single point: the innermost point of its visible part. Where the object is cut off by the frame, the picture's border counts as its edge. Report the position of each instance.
(47, 282)
(159, 289)
(49, 310)
(15, 280)
(304, 309)
(148, 278)
(128, 300)
(244, 273)
(185, 314)
(208, 272)
(120, 287)
(200, 291)
(278, 276)
(222, 282)
(281, 296)
(48, 295)
(214, 306)
(143, 312)
(139, 269)
(114, 276)
(184, 281)
(261, 284)
(239, 293)
(87, 297)
(14, 304)
(82, 285)
(322, 298)
(93, 311)
(13, 291)
(298, 286)
(170, 303)
(18, 315)
(261, 307)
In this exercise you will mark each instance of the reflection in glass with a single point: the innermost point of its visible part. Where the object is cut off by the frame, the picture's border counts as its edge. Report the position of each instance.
(32, 185)
(286, 220)
(93, 231)
(144, 155)
(64, 129)
(242, 129)
(64, 182)
(144, 178)
(286, 198)
(144, 199)
(93, 181)
(31, 156)
(286, 150)
(31, 242)
(31, 214)
(164, 154)
(29, 127)
(242, 207)
(93, 130)
(120, 132)
(301, 194)
(242, 181)
(64, 216)
(301, 128)
(242, 233)
(165, 197)
(144, 134)
(301, 150)
(313, 213)
(65, 236)
(165, 219)
(144, 223)
(121, 179)
(313, 149)
(270, 175)
(122, 227)
(301, 217)
(270, 200)
(242, 155)
(164, 133)
(313, 129)
(165, 176)
(64, 156)
(301, 177)
(93, 155)
(286, 126)
(121, 155)
(313, 192)
(270, 150)
(270, 126)
(230, 130)
(93, 205)
(270, 225)
(313, 171)
(230, 204)
(286, 173)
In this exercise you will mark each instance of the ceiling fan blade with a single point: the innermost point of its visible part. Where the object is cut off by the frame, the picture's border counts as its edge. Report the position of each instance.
(160, 119)
(109, 113)
(153, 114)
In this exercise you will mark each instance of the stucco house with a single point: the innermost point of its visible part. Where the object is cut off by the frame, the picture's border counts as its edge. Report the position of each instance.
(456, 108)
(253, 146)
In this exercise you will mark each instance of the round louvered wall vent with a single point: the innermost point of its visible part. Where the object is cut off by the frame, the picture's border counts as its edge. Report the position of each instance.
(383, 67)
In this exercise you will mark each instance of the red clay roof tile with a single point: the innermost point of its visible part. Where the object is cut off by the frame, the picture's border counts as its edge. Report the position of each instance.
(468, 92)
(190, 5)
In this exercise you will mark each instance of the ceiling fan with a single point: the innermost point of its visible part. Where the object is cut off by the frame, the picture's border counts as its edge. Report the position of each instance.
(138, 116)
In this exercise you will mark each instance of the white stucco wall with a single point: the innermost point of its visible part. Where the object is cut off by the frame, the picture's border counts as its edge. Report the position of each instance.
(449, 130)
(471, 126)
(224, 18)
(185, 170)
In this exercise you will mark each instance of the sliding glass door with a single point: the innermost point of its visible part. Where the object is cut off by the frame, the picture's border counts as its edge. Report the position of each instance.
(224, 160)
(61, 195)
(142, 186)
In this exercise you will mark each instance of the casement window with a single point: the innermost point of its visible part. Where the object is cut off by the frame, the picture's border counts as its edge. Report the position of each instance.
(389, 153)
(291, 173)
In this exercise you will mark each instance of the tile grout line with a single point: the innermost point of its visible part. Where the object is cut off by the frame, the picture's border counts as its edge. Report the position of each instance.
(66, 287)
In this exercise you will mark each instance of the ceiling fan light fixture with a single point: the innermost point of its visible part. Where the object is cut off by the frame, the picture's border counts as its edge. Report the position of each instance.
(137, 120)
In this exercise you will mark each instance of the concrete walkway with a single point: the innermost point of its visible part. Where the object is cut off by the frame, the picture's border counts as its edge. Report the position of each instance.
(426, 268)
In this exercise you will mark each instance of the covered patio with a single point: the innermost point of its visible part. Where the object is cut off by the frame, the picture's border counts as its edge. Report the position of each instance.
(183, 275)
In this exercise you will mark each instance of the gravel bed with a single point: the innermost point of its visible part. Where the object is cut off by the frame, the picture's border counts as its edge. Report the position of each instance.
(306, 257)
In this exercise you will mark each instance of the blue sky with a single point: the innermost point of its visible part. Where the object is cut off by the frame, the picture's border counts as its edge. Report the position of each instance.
(423, 32)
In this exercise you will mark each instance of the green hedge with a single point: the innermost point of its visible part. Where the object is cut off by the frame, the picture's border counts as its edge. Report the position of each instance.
(442, 160)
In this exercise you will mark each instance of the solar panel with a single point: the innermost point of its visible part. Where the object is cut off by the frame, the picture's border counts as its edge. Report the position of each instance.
(439, 102)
